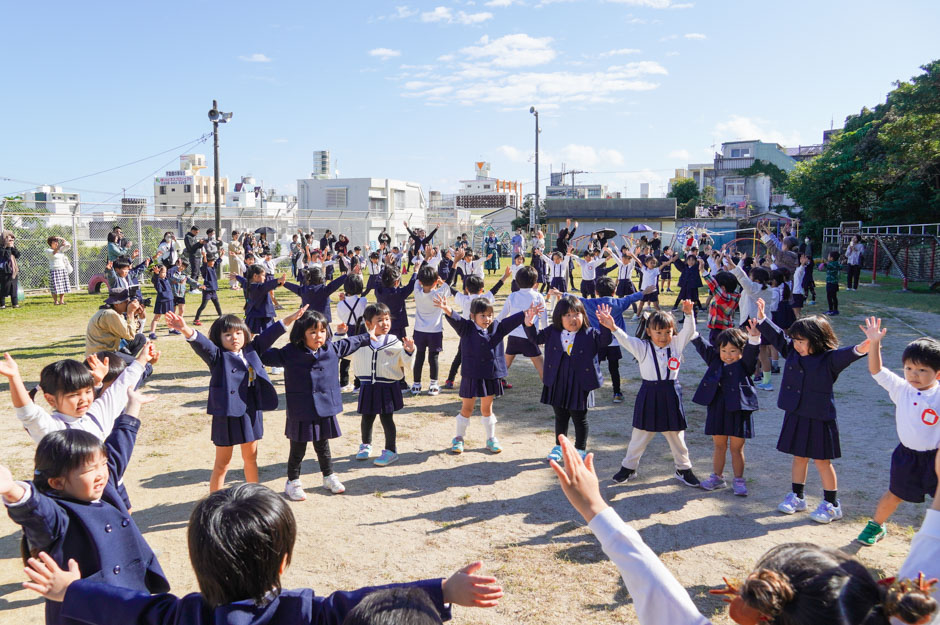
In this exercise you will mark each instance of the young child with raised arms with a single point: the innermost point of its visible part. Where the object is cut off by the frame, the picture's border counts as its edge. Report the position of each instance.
(517, 343)
(917, 405)
(429, 327)
(240, 585)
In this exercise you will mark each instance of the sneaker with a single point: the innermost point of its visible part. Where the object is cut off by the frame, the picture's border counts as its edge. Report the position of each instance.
(634, 317)
(295, 491)
(825, 512)
(555, 454)
(276, 370)
(811, 302)
(687, 477)
(197, 323)
(349, 388)
(174, 332)
(332, 484)
(582, 453)
(456, 445)
(714, 481)
(365, 450)
(434, 389)
(415, 389)
(872, 534)
(618, 398)
(624, 475)
(387, 458)
(448, 384)
(834, 313)
(791, 503)
(493, 446)
(775, 368)
(152, 336)
(765, 387)
(668, 290)
(739, 486)
(506, 385)
(195, 292)
(828, 312)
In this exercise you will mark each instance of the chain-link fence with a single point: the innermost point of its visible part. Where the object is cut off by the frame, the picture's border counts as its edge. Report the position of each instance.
(87, 232)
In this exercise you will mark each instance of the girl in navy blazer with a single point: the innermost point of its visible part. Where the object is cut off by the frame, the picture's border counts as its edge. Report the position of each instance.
(71, 510)
(163, 302)
(239, 387)
(392, 294)
(259, 310)
(813, 363)
(311, 384)
(483, 363)
(240, 585)
(728, 391)
(571, 371)
(314, 293)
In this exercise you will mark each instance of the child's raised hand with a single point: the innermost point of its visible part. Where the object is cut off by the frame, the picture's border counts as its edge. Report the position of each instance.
(409, 344)
(8, 366)
(6, 480)
(532, 312)
(294, 316)
(98, 368)
(175, 321)
(282, 279)
(760, 309)
(507, 272)
(604, 318)
(579, 480)
(872, 330)
(135, 400)
(473, 591)
(342, 328)
(148, 353)
(687, 306)
(48, 579)
(752, 327)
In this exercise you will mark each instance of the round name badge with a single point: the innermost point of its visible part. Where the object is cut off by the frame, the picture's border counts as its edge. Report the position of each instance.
(930, 417)
(673, 364)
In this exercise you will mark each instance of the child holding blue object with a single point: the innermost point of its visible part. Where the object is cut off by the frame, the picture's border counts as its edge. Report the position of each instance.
(72, 512)
(239, 585)
(259, 309)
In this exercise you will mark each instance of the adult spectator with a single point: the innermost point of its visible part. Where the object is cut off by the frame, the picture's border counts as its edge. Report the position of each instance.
(564, 237)
(655, 244)
(212, 247)
(236, 258)
(853, 256)
(384, 240)
(326, 241)
(117, 244)
(114, 328)
(9, 269)
(193, 246)
(518, 243)
(168, 252)
(539, 242)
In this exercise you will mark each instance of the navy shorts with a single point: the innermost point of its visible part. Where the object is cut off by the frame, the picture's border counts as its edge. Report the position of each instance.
(518, 345)
(913, 474)
(798, 300)
(611, 354)
(179, 300)
(651, 297)
(432, 341)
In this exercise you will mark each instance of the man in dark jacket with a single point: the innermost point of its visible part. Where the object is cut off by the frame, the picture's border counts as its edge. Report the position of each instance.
(193, 245)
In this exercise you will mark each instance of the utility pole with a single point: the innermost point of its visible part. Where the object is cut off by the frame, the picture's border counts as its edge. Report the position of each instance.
(533, 210)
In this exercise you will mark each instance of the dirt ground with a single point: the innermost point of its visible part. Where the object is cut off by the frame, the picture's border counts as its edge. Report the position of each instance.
(432, 512)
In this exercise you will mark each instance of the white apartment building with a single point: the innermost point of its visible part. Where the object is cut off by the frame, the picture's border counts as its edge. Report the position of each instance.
(186, 189)
(53, 200)
(248, 199)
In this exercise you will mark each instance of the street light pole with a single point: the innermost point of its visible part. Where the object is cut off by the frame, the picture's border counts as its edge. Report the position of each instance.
(533, 210)
(215, 152)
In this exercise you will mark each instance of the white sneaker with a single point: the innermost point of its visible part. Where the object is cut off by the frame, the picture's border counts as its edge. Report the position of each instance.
(825, 512)
(415, 389)
(332, 484)
(295, 491)
(349, 388)
(434, 389)
(791, 503)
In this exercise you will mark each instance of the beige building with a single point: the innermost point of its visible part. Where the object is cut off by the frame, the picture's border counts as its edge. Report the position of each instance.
(183, 190)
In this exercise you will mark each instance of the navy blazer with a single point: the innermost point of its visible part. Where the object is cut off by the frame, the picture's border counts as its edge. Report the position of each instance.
(258, 304)
(102, 605)
(690, 276)
(394, 297)
(101, 536)
(445, 268)
(317, 296)
(164, 289)
(734, 380)
(311, 380)
(588, 343)
(481, 351)
(209, 278)
(229, 381)
(806, 387)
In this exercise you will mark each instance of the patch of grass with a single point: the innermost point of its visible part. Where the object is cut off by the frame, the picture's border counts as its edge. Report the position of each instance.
(157, 454)
(379, 494)
(464, 498)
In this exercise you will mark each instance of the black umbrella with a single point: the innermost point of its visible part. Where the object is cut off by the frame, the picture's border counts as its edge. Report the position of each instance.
(266, 230)
(604, 234)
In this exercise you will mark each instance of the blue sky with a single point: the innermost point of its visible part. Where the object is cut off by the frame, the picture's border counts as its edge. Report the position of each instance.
(627, 89)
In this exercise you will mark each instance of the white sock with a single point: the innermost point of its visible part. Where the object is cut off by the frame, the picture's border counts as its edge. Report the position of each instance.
(489, 426)
(432, 382)
(462, 423)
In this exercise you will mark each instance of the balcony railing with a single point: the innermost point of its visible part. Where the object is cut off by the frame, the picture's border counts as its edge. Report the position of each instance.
(726, 163)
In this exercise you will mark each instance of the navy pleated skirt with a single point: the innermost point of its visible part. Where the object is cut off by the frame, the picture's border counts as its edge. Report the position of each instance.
(229, 431)
(559, 283)
(316, 429)
(566, 392)
(257, 325)
(721, 422)
(809, 438)
(625, 287)
(658, 407)
(479, 387)
(381, 397)
(162, 306)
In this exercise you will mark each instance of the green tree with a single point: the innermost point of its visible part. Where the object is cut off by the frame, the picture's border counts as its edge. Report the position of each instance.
(684, 190)
(522, 221)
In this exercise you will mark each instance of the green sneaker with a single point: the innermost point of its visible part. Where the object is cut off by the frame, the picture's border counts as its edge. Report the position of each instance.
(872, 534)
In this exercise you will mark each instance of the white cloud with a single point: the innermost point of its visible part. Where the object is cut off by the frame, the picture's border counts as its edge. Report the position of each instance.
(446, 57)
(672, 53)
(695, 36)
(655, 4)
(447, 15)
(682, 155)
(740, 128)
(619, 51)
(403, 12)
(519, 50)
(384, 53)
(439, 14)
(501, 3)
(257, 57)
(473, 18)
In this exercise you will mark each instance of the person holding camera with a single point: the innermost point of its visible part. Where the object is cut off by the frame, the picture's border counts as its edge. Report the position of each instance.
(117, 244)
(9, 269)
(193, 245)
(115, 328)
(169, 250)
(59, 269)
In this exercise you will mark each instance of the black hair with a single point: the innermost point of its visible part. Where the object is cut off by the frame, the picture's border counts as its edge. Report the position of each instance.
(253, 270)
(121, 262)
(480, 306)
(604, 286)
(395, 606)
(924, 351)
(427, 275)
(565, 305)
(732, 336)
(61, 452)
(727, 281)
(377, 309)
(760, 275)
(238, 537)
(116, 366)
(65, 376)
(227, 323)
(353, 285)
(310, 319)
(390, 275)
(312, 276)
(658, 320)
(803, 584)
(781, 276)
(817, 331)
(374, 256)
(473, 284)
(526, 277)
(834, 255)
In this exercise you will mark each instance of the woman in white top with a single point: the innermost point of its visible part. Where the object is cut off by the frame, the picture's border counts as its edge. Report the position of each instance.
(236, 259)
(853, 257)
(168, 250)
(792, 584)
(59, 268)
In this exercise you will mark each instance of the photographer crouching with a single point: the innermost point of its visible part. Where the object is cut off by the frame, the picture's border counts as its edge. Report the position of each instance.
(115, 328)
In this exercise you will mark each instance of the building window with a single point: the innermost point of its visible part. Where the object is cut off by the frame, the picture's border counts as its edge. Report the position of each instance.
(740, 152)
(734, 186)
(336, 197)
(399, 200)
(205, 189)
(187, 188)
(163, 191)
(162, 207)
(377, 206)
(486, 186)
